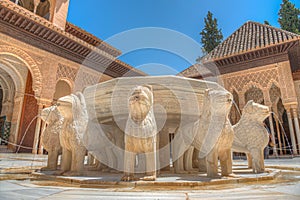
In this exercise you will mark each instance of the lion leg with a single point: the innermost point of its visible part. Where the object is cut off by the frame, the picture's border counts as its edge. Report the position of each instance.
(195, 158)
(202, 165)
(257, 159)
(66, 159)
(91, 159)
(262, 161)
(129, 161)
(178, 165)
(78, 161)
(119, 158)
(150, 167)
(226, 163)
(249, 159)
(188, 159)
(111, 157)
(52, 161)
(212, 164)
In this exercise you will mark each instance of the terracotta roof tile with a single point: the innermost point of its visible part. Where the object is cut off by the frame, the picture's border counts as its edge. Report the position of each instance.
(250, 36)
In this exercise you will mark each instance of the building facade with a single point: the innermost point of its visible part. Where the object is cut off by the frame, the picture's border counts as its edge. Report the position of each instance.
(261, 63)
(42, 58)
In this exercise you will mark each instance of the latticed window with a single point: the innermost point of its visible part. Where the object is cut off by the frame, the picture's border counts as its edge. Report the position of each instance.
(254, 94)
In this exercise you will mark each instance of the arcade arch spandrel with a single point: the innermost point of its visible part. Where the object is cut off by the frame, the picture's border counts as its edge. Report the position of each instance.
(29, 62)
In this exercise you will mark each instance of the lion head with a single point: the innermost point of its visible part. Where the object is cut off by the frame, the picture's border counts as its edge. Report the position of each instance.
(220, 101)
(65, 106)
(73, 109)
(50, 115)
(140, 102)
(256, 111)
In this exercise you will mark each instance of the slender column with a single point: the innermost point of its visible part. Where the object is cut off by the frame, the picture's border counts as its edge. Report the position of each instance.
(37, 130)
(292, 133)
(296, 123)
(273, 135)
(41, 148)
(36, 3)
(279, 137)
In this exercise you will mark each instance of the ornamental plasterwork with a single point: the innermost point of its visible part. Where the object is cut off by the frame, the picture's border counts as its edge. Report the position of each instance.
(261, 79)
(86, 77)
(64, 71)
(30, 63)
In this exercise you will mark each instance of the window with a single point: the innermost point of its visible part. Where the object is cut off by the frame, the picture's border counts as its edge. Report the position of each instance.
(42, 9)
(28, 4)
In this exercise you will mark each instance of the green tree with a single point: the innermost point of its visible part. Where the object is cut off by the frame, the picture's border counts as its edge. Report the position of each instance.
(289, 17)
(211, 36)
(267, 22)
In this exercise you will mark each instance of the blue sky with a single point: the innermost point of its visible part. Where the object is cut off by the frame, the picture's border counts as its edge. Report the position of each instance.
(121, 23)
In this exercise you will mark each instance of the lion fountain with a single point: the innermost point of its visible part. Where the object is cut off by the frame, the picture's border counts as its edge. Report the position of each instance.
(75, 119)
(250, 135)
(98, 121)
(140, 133)
(50, 136)
(212, 141)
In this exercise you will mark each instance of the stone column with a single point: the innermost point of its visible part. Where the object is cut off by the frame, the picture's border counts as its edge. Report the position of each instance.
(273, 135)
(292, 133)
(41, 148)
(37, 130)
(36, 3)
(279, 137)
(296, 123)
(269, 104)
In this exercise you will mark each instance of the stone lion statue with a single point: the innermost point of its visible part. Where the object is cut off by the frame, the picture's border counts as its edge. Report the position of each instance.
(250, 135)
(75, 119)
(140, 132)
(105, 144)
(50, 136)
(211, 135)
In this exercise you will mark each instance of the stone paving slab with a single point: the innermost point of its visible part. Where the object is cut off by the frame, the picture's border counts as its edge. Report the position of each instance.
(31, 191)
(12, 163)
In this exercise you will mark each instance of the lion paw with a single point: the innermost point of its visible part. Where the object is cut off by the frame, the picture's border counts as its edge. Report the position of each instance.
(58, 173)
(48, 169)
(231, 175)
(128, 178)
(149, 178)
(72, 173)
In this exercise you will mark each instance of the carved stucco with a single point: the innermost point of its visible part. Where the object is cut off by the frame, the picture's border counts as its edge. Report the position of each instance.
(30, 63)
(263, 78)
(286, 83)
(85, 77)
(66, 72)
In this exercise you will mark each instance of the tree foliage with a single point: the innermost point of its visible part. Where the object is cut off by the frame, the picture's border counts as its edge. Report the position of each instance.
(289, 17)
(211, 35)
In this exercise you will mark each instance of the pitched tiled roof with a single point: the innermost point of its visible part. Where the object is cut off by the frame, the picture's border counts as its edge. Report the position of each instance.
(250, 36)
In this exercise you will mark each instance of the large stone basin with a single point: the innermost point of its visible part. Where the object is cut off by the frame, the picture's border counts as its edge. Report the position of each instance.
(176, 99)
(177, 103)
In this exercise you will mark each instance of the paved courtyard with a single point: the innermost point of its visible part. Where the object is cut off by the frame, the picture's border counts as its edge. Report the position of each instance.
(17, 183)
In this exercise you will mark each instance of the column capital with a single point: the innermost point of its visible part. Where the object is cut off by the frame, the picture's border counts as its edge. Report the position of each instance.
(289, 105)
(44, 102)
